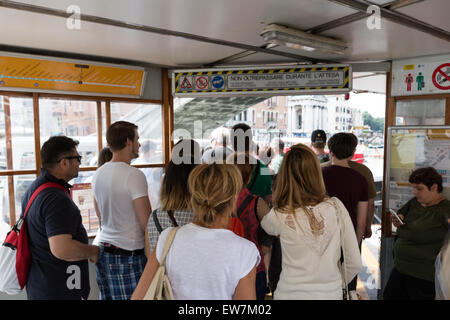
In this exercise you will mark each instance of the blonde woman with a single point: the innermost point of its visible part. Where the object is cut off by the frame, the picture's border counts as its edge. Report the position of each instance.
(206, 260)
(308, 224)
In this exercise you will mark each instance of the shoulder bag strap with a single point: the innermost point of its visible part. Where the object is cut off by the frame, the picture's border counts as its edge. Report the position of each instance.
(172, 218)
(341, 228)
(168, 244)
(155, 219)
(39, 189)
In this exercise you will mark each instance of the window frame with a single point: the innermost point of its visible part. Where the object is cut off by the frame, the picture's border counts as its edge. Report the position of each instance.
(167, 118)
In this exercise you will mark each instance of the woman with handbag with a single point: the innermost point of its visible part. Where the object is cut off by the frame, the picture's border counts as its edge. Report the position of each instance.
(206, 260)
(312, 229)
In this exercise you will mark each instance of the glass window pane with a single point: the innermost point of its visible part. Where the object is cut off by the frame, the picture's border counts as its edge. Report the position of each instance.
(21, 124)
(21, 184)
(72, 118)
(4, 204)
(83, 197)
(148, 117)
(154, 179)
(420, 112)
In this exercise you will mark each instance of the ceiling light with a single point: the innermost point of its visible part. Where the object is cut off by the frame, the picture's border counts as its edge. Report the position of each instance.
(293, 38)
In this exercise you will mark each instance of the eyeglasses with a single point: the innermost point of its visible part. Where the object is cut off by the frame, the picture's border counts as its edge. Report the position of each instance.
(72, 157)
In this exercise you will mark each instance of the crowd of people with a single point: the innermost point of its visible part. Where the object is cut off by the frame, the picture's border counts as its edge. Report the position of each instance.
(249, 221)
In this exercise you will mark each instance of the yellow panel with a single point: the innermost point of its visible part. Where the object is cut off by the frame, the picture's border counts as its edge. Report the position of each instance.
(30, 73)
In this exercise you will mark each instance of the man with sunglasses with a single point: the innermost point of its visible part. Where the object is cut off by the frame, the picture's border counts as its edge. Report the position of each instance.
(57, 239)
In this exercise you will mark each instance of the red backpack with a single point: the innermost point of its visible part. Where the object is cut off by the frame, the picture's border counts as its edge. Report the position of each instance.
(15, 256)
(236, 224)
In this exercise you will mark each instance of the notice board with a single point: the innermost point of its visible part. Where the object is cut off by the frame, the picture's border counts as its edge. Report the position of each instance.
(83, 197)
(410, 148)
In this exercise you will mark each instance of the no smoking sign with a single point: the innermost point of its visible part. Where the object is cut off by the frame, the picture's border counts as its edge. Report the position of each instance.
(441, 77)
(201, 82)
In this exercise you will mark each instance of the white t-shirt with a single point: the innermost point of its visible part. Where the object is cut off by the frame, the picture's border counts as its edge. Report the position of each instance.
(206, 264)
(115, 186)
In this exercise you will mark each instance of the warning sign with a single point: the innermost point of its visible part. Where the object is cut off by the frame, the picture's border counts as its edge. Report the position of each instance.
(186, 83)
(281, 81)
(441, 77)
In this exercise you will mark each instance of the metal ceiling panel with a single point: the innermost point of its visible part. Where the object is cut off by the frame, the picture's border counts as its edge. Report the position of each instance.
(434, 12)
(232, 20)
(375, 83)
(96, 39)
(392, 41)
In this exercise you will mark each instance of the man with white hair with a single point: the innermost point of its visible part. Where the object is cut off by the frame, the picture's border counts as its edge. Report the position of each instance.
(219, 151)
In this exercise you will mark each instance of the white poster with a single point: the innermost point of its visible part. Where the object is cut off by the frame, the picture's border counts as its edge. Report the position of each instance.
(419, 76)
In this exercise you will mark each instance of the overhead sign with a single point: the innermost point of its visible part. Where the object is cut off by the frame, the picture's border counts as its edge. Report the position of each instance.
(280, 81)
(422, 75)
(42, 74)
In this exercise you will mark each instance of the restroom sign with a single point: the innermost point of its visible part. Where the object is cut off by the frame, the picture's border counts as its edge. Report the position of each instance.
(421, 75)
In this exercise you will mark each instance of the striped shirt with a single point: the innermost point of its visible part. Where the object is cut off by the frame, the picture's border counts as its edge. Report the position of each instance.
(182, 217)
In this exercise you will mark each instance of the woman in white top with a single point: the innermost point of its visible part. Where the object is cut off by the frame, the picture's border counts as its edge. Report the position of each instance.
(206, 260)
(308, 224)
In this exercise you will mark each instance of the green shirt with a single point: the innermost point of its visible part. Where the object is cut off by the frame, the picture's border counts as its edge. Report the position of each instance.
(421, 238)
(262, 186)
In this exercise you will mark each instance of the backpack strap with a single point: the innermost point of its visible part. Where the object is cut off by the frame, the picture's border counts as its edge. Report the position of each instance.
(244, 205)
(172, 218)
(257, 169)
(155, 219)
(39, 189)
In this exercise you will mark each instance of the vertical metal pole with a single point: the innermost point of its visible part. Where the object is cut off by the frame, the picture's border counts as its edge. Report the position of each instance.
(99, 127)
(37, 133)
(166, 115)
